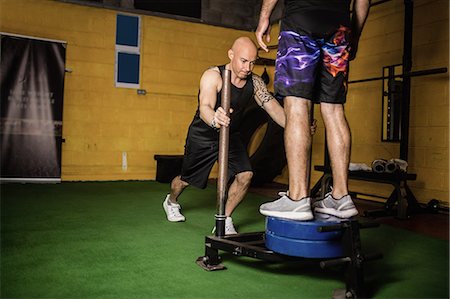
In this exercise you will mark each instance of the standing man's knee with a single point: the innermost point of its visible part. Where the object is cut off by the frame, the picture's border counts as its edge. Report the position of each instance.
(333, 116)
(296, 104)
(331, 110)
(297, 109)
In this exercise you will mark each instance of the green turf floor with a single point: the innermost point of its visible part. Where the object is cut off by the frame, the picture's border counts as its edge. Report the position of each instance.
(112, 240)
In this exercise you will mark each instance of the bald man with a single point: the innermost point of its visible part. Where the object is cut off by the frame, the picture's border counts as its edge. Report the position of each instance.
(202, 142)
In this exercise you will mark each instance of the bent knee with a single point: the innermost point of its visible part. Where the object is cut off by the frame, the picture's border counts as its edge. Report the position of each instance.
(244, 177)
(179, 182)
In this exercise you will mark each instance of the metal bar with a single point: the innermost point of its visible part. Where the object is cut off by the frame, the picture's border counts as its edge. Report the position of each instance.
(440, 70)
(335, 262)
(245, 237)
(222, 179)
(354, 271)
(406, 91)
(367, 194)
(241, 248)
(390, 106)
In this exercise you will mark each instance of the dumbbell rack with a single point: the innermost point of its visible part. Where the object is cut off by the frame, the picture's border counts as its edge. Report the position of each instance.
(253, 245)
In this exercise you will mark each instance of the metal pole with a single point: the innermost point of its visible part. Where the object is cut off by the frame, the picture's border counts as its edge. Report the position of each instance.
(222, 179)
(407, 65)
(435, 71)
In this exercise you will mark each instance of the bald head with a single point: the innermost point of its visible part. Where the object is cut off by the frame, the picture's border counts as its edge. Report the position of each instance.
(243, 42)
(243, 54)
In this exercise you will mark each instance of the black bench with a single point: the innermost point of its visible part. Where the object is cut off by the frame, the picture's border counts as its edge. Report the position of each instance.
(168, 167)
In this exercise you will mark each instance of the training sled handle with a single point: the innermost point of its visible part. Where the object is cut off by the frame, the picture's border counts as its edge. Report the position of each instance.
(222, 179)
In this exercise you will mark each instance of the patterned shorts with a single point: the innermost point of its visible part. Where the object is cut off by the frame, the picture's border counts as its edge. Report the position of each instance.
(313, 68)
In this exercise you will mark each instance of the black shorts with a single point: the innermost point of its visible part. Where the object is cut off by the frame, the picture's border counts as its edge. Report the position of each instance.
(199, 158)
(313, 68)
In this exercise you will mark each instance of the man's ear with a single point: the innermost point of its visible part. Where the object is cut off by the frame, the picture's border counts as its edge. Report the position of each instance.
(230, 54)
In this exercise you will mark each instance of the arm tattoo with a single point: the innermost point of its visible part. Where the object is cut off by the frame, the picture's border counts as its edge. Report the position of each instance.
(262, 95)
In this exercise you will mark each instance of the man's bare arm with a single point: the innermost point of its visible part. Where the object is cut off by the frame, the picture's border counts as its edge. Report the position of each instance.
(264, 23)
(266, 101)
(359, 17)
(210, 85)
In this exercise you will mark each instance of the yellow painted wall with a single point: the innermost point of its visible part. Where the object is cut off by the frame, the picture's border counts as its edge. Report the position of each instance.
(101, 121)
(382, 45)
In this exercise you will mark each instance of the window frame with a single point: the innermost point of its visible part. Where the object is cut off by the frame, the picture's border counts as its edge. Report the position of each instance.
(126, 49)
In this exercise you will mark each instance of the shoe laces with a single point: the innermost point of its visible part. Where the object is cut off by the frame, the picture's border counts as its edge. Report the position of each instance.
(174, 210)
(229, 227)
(283, 193)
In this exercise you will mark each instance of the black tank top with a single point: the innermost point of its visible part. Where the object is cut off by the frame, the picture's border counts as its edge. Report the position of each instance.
(315, 17)
(240, 98)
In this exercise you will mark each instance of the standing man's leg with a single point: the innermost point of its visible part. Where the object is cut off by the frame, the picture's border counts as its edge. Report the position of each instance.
(335, 53)
(298, 57)
(339, 143)
(297, 140)
(338, 203)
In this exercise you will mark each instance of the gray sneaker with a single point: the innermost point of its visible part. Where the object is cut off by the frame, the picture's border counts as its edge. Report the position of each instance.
(284, 207)
(342, 208)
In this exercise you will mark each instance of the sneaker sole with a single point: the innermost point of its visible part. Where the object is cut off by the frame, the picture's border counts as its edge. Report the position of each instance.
(339, 214)
(167, 215)
(176, 220)
(289, 215)
(226, 233)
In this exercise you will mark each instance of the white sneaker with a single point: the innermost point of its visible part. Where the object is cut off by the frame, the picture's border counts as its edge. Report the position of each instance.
(172, 210)
(229, 227)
